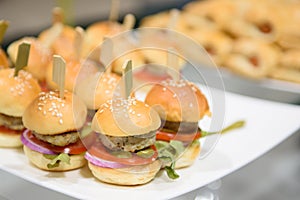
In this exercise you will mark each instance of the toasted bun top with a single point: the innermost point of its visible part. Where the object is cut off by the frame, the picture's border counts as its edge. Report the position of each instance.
(97, 89)
(50, 115)
(4, 63)
(16, 92)
(64, 44)
(96, 32)
(76, 71)
(125, 117)
(39, 56)
(178, 101)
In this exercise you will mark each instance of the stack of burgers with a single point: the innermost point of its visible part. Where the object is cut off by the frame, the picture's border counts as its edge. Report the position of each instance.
(126, 141)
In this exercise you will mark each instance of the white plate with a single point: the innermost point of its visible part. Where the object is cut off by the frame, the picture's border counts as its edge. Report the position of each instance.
(268, 124)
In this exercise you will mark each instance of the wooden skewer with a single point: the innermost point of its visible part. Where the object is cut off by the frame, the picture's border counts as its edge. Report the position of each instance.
(129, 21)
(127, 78)
(59, 74)
(3, 27)
(106, 56)
(53, 33)
(22, 57)
(174, 15)
(78, 41)
(173, 65)
(114, 10)
(57, 15)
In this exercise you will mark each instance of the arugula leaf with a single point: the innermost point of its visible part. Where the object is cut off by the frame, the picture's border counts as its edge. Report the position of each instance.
(56, 159)
(167, 153)
(171, 172)
(178, 146)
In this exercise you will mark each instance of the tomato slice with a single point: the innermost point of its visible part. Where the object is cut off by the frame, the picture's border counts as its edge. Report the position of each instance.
(44, 86)
(98, 150)
(4, 129)
(167, 136)
(74, 148)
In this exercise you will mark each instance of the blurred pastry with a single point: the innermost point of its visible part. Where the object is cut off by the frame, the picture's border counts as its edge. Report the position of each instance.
(288, 68)
(252, 58)
(260, 20)
(217, 44)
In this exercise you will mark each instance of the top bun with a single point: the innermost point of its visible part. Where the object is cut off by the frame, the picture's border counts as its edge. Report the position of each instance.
(64, 44)
(178, 101)
(125, 117)
(96, 32)
(50, 115)
(16, 92)
(39, 56)
(97, 89)
(4, 63)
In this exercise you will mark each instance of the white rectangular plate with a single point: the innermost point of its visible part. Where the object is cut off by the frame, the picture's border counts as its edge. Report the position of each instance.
(267, 124)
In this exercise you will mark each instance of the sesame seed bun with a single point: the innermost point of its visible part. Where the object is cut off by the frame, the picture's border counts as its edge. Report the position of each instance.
(135, 175)
(178, 101)
(36, 158)
(50, 115)
(97, 89)
(39, 56)
(121, 118)
(16, 92)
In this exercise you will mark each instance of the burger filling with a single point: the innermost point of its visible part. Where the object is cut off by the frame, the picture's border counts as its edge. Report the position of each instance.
(129, 143)
(60, 139)
(179, 127)
(11, 122)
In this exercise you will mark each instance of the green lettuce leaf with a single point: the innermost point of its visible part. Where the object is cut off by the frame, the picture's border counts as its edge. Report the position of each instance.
(146, 153)
(56, 159)
(168, 153)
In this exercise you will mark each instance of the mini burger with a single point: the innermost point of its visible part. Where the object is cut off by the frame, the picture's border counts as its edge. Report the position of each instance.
(51, 139)
(16, 92)
(124, 152)
(180, 105)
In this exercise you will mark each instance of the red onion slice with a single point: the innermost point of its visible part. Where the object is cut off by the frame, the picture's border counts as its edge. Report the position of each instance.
(33, 146)
(103, 163)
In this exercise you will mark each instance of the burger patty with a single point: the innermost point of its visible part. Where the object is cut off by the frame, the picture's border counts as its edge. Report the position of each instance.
(11, 122)
(60, 139)
(179, 127)
(129, 143)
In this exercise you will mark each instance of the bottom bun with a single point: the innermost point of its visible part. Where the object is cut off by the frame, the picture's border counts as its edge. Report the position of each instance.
(135, 175)
(10, 140)
(189, 156)
(76, 161)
